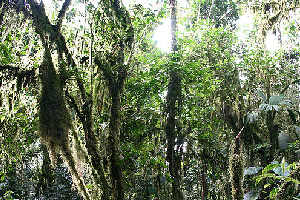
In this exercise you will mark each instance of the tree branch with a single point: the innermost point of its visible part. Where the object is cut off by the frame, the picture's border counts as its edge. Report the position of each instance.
(3, 10)
(297, 81)
(15, 70)
(107, 73)
(8, 67)
(62, 13)
(72, 103)
(43, 25)
(24, 77)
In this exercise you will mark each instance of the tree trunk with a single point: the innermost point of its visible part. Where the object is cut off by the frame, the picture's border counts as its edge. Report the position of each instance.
(46, 177)
(115, 82)
(204, 185)
(114, 144)
(236, 170)
(273, 134)
(173, 97)
(95, 157)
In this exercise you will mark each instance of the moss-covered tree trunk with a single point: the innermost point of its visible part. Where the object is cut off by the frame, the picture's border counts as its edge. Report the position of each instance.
(234, 120)
(91, 146)
(114, 145)
(114, 70)
(173, 113)
(46, 177)
(273, 130)
(115, 81)
(236, 165)
(236, 169)
(54, 117)
(203, 182)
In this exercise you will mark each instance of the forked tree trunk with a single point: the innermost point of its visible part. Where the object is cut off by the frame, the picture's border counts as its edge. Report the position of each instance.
(42, 24)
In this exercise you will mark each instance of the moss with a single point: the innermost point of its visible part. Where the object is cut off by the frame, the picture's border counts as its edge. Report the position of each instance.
(55, 119)
(68, 157)
(53, 115)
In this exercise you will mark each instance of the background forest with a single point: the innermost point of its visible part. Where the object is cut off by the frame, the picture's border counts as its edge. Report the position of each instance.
(92, 108)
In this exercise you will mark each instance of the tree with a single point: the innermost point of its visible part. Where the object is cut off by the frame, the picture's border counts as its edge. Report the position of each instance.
(173, 104)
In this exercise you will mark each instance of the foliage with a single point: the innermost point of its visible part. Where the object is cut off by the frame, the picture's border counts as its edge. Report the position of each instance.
(112, 83)
(220, 13)
(277, 173)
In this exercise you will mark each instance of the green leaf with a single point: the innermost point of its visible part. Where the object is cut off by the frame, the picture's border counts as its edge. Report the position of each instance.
(2, 178)
(2, 118)
(252, 170)
(273, 193)
(262, 95)
(270, 167)
(282, 169)
(89, 186)
(276, 99)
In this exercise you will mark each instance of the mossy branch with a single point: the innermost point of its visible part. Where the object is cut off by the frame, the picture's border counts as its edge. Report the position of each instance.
(24, 77)
(107, 72)
(297, 81)
(72, 103)
(44, 27)
(3, 5)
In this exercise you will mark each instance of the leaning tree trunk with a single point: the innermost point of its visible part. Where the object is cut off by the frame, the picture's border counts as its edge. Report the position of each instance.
(172, 112)
(54, 118)
(91, 146)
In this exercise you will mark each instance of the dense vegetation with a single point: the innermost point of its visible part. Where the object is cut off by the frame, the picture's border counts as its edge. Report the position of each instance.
(90, 108)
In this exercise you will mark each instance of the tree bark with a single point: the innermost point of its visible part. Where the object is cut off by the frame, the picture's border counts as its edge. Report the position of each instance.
(90, 140)
(204, 184)
(46, 177)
